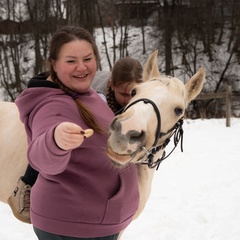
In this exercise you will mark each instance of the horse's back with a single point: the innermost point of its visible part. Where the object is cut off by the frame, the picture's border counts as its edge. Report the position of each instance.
(13, 145)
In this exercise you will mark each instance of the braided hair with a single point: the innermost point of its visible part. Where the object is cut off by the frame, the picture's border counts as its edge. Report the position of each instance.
(125, 70)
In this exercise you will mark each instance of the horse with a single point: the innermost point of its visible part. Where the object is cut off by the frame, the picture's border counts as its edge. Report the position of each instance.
(153, 116)
(137, 136)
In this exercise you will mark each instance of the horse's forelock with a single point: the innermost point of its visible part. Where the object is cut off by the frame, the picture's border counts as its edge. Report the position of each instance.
(177, 86)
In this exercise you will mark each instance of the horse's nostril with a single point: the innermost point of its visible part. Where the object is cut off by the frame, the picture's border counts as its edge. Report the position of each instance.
(116, 125)
(135, 136)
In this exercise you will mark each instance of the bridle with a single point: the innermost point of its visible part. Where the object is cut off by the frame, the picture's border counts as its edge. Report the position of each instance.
(175, 131)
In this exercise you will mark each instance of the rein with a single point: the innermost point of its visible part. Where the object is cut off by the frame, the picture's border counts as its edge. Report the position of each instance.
(175, 131)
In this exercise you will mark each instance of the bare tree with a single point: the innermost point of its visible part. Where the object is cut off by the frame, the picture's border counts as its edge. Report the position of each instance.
(12, 52)
(81, 13)
(189, 34)
(104, 33)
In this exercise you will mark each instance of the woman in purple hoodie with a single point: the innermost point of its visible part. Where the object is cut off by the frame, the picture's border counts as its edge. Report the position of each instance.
(78, 193)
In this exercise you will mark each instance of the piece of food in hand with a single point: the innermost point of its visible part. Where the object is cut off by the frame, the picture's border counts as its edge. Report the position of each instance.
(88, 132)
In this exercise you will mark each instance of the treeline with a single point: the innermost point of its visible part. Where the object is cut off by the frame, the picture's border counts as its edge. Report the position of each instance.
(188, 34)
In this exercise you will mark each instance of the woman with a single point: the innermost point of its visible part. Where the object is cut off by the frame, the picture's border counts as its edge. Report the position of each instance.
(78, 193)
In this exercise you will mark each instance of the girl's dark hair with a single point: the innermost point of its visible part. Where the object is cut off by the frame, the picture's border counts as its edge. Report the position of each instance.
(125, 70)
(62, 36)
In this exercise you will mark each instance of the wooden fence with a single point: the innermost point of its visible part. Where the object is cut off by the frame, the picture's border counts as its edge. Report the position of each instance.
(227, 95)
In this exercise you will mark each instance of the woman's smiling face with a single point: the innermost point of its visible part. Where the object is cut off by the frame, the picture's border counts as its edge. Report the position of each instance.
(76, 65)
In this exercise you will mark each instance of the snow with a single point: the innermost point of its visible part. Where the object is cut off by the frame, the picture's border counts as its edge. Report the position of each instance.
(195, 194)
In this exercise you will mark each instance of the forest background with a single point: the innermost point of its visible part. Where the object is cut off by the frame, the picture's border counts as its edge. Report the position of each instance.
(187, 33)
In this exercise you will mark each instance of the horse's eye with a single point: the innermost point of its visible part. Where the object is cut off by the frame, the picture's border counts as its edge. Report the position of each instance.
(133, 93)
(178, 111)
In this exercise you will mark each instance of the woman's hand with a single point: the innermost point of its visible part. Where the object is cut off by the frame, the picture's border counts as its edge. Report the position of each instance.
(69, 135)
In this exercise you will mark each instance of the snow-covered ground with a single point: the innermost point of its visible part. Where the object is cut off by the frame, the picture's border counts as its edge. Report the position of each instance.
(195, 194)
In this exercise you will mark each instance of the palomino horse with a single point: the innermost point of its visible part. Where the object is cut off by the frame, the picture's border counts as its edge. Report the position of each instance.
(154, 114)
(138, 135)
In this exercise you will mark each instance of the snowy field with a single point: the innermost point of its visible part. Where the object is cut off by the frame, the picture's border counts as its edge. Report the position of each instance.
(195, 194)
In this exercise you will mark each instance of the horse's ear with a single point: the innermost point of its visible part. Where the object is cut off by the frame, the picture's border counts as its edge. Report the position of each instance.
(151, 67)
(195, 84)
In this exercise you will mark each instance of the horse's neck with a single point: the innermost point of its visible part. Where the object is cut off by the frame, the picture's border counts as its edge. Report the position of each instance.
(145, 174)
(145, 177)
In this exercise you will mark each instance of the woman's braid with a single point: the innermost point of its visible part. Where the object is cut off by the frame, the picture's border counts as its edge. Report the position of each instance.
(87, 116)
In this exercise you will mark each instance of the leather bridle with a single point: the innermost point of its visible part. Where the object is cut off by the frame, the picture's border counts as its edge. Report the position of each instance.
(175, 131)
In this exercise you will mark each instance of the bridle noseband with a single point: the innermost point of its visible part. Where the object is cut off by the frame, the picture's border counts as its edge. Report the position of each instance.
(176, 130)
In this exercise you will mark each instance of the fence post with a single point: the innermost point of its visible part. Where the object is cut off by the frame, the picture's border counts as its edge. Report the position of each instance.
(228, 105)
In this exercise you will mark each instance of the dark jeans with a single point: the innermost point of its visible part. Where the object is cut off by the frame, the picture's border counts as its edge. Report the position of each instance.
(42, 235)
(30, 176)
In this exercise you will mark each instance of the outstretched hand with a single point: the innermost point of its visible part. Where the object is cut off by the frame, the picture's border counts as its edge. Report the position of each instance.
(70, 135)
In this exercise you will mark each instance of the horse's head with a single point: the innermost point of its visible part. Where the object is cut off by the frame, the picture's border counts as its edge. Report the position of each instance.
(152, 114)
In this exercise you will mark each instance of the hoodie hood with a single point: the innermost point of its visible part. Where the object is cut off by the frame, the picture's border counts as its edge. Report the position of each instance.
(39, 89)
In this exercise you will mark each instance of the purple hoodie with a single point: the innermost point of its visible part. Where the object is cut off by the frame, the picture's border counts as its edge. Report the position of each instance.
(78, 193)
